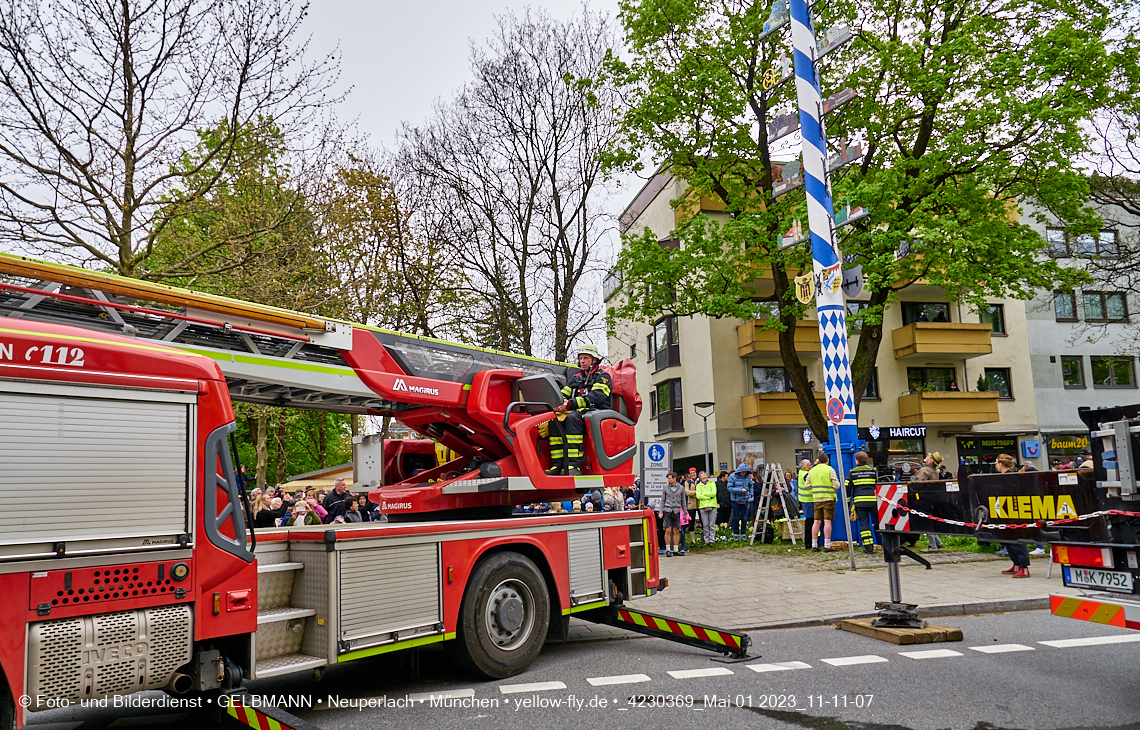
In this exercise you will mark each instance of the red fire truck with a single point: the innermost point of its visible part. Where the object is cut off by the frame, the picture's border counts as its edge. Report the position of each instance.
(149, 575)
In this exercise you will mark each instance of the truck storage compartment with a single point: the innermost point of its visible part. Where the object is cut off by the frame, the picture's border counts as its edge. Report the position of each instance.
(121, 456)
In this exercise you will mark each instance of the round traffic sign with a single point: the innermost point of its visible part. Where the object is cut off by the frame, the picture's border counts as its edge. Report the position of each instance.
(835, 411)
(656, 452)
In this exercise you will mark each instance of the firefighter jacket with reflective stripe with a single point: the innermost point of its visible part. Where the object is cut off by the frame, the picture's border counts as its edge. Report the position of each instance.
(589, 391)
(861, 481)
(822, 486)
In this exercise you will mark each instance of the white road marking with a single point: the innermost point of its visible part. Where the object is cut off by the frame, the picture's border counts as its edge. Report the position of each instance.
(446, 694)
(694, 673)
(930, 654)
(847, 661)
(778, 666)
(509, 689)
(618, 679)
(1001, 648)
(1092, 641)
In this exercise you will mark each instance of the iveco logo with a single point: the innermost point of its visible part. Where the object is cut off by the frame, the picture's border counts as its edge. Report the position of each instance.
(402, 386)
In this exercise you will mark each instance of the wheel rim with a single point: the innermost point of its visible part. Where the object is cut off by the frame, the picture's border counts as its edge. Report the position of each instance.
(509, 614)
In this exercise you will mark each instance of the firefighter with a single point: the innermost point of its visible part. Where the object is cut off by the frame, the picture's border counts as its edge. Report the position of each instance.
(861, 483)
(587, 390)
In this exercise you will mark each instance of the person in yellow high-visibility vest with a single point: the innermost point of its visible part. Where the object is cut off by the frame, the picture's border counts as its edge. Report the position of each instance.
(823, 482)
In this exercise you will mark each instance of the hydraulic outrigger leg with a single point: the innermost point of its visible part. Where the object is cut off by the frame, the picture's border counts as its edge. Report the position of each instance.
(732, 644)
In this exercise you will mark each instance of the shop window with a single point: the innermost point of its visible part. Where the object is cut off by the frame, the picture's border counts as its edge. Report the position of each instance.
(667, 406)
(1112, 372)
(931, 379)
(1105, 306)
(925, 312)
(664, 347)
(1065, 306)
(871, 392)
(770, 380)
(994, 316)
(1073, 371)
(998, 381)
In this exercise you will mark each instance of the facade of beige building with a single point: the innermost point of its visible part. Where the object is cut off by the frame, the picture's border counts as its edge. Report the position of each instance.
(924, 396)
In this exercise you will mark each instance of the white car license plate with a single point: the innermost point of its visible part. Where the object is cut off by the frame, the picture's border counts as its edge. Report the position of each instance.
(1105, 580)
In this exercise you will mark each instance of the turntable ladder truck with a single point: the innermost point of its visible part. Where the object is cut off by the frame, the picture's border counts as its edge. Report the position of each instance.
(149, 575)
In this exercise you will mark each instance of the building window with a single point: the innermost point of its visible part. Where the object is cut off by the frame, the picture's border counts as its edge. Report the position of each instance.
(1112, 372)
(1105, 306)
(667, 407)
(1087, 245)
(855, 326)
(770, 380)
(1065, 306)
(994, 316)
(633, 351)
(931, 379)
(664, 347)
(1073, 371)
(871, 392)
(925, 312)
(998, 381)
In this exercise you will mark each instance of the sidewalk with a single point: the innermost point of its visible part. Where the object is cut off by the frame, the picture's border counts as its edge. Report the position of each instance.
(738, 589)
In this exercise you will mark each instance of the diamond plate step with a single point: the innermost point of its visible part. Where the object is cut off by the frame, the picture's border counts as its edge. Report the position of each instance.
(277, 567)
(287, 665)
(283, 614)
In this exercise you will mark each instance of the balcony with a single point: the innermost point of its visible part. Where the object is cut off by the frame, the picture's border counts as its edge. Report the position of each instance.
(953, 339)
(752, 340)
(775, 409)
(947, 407)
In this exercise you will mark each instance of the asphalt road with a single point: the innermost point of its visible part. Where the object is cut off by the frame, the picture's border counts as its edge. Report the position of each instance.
(809, 680)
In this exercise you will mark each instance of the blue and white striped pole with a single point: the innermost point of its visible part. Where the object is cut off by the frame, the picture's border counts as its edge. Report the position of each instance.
(826, 260)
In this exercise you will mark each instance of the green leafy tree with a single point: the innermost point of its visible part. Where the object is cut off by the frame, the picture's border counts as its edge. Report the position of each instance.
(963, 109)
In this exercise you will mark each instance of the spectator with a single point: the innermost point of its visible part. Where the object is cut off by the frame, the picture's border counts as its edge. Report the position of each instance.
(756, 496)
(364, 507)
(1017, 552)
(340, 489)
(316, 507)
(589, 507)
(929, 473)
(269, 516)
(691, 507)
(807, 502)
(739, 491)
(794, 491)
(707, 504)
(577, 506)
(303, 515)
(953, 388)
(671, 508)
(944, 473)
(334, 510)
(1086, 461)
(352, 511)
(724, 511)
(630, 503)
(823, 482)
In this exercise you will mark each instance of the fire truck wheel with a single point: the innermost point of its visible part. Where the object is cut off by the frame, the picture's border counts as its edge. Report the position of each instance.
(505, 616)
(7, 708)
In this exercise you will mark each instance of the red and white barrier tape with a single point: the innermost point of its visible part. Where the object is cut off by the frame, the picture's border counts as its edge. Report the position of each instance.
(1041, 523)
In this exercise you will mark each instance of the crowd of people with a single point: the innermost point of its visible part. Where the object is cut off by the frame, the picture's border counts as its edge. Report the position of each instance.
(277, 507)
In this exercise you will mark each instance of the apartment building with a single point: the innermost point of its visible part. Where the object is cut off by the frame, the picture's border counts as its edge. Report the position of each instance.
(1081, 344)
(923, 397)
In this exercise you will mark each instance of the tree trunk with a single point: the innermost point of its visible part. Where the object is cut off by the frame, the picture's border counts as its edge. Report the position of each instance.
(260, 446)
(867, 353)
(280, 446)
(322, 440)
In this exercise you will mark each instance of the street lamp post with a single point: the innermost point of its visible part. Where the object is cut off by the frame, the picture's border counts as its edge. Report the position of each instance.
(698, 407)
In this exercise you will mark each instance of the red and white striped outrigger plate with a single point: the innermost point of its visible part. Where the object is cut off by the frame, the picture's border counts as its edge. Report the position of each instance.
(890, 516)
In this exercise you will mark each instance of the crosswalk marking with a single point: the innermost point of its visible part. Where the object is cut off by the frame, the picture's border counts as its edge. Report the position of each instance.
(930, 654)
(847, 661)
(618, 679)
(508, 689)
(1001, 648)
(778, 666)
(1092, 641)
(694, 673)
(446, 694)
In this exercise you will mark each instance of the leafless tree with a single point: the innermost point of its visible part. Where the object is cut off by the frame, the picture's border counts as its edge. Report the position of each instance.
(100, 98)
(508, 175)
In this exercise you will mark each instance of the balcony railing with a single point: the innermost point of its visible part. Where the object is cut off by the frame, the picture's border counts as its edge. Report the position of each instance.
(954, 339)
(775, 409)
(947, 407)
(751, 339)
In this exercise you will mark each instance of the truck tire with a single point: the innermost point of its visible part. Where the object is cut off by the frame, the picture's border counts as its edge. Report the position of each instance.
(8, 708)
(505, 616)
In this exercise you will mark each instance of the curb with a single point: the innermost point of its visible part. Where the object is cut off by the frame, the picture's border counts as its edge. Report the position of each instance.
(1000, 605)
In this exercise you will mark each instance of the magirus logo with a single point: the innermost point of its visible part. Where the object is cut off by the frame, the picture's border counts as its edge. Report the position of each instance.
(400, 385)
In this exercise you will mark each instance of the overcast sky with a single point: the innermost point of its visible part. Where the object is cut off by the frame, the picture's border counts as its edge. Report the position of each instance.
(399, 57)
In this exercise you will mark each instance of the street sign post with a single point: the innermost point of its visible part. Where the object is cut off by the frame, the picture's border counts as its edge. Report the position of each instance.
(656, 463)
